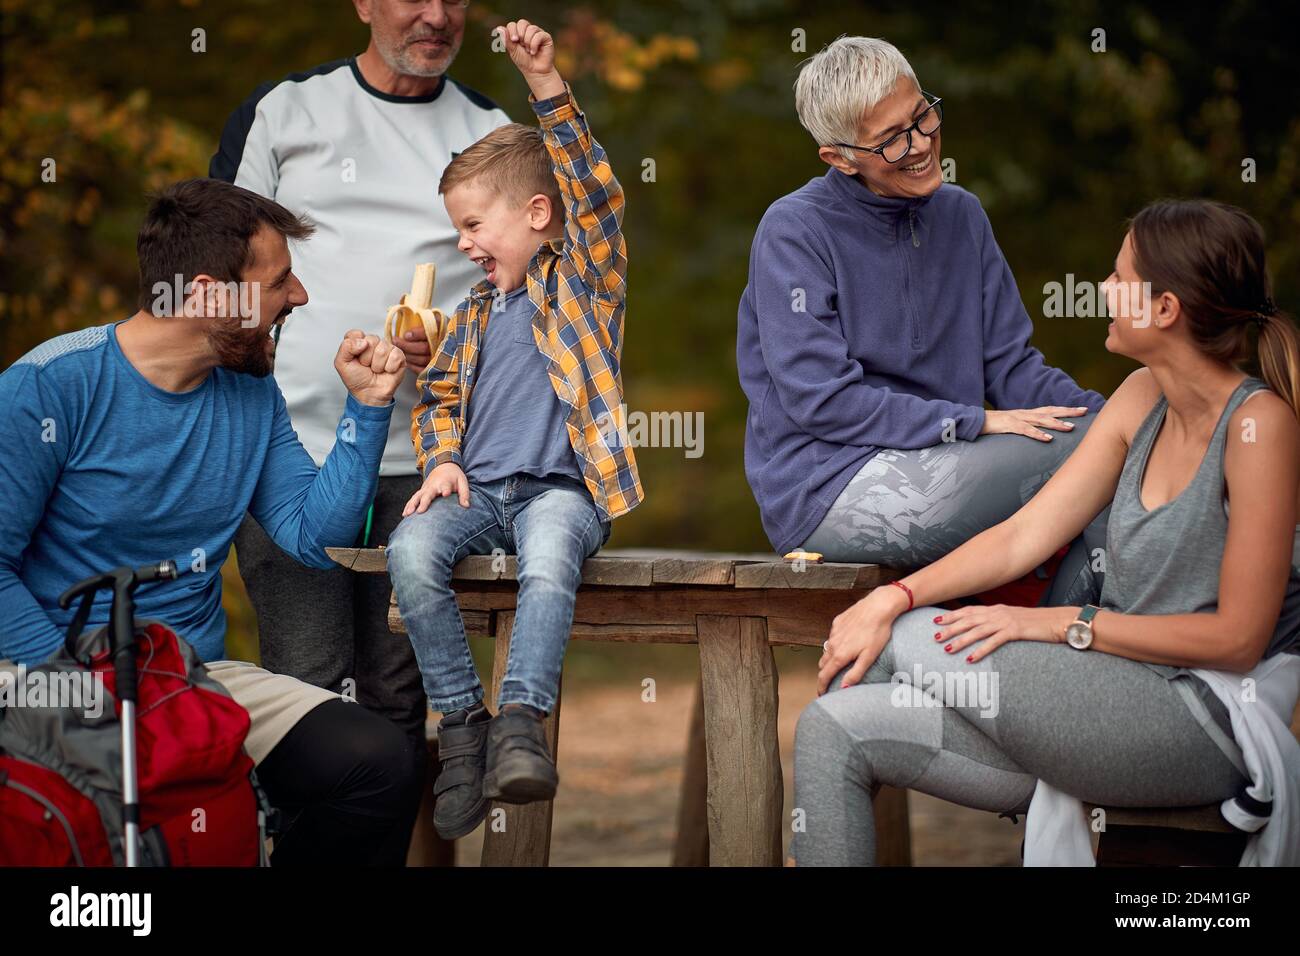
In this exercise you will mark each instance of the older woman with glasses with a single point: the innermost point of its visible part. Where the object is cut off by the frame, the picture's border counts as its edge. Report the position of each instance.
(879, 317)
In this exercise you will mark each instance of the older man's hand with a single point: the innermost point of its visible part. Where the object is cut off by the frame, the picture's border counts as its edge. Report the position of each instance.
(371, 369)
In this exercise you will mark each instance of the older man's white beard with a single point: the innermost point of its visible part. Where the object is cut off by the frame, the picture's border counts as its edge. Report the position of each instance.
(405, 62)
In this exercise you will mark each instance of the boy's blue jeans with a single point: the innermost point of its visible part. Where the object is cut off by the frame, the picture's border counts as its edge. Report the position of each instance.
(552, 525)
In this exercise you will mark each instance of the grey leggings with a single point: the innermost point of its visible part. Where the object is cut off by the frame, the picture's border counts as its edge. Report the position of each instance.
(1104, 729)
(908, 508)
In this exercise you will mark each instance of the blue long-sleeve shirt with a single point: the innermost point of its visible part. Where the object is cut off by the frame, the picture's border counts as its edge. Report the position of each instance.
(872, 322)
(101, 468)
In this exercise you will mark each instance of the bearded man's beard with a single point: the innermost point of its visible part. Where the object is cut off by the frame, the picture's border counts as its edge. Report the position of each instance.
(240, 350)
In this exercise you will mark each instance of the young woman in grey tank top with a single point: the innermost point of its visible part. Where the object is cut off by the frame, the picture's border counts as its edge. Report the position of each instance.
(1202, 459)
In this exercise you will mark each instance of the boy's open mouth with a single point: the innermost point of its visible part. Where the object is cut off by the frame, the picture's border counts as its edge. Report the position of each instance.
(489, 265)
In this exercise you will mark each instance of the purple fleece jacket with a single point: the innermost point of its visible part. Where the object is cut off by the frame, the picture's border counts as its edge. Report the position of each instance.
(869, 323)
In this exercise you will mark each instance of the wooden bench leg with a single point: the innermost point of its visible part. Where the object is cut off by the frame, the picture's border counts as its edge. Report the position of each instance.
(744, 759)
(893, 827)
(692, 847)
(427, 848)
(518, 835)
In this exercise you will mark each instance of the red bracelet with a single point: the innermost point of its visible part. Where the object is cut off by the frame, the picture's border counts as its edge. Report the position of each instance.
(911, 600)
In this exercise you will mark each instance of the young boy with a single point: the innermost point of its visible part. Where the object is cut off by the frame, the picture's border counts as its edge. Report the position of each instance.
(517, 432)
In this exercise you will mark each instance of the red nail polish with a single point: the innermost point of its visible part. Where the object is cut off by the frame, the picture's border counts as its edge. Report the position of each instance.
(970, 658)
(939, 619)
(938, 635)
(948, 648)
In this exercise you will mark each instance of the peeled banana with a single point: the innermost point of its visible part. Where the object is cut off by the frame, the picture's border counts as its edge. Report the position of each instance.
(414, 310)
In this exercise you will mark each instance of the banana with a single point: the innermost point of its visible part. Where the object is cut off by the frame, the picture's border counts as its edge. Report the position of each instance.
(413, 309)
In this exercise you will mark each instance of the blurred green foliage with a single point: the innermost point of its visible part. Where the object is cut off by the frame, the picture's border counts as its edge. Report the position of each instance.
(1060, 143)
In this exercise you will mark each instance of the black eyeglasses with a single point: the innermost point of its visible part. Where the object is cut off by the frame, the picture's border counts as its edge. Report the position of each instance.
(900, 144)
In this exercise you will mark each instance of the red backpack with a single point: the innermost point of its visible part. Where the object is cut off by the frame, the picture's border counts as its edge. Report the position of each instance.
(61, 767)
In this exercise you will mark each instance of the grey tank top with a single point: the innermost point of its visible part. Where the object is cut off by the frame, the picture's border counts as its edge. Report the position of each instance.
(1167, 560)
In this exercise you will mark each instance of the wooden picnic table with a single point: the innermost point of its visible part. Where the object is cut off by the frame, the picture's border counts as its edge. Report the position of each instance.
(736, 607)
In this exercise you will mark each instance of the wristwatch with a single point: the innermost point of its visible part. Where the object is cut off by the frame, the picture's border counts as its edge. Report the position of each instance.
(1079, 634)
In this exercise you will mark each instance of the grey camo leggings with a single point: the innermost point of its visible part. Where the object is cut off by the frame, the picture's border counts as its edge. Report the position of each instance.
(908, 508)
(1105, 729)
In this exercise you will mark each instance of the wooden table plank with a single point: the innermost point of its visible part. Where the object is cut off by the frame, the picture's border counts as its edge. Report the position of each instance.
(633, 615)
(643, 567)
(362, 560)
(824, 576)
(1205, 818)
(599, 570)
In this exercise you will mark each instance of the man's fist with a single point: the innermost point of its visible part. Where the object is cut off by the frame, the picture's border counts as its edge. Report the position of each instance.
(445, 480)
(370, 369)
(532, 50)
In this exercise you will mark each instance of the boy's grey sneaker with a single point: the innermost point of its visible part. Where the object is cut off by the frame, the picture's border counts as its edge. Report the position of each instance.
(519, 764)
(459, 804)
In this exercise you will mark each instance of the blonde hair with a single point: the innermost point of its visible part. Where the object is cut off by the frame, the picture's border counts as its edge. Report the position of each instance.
(511, 160)
(846, 79)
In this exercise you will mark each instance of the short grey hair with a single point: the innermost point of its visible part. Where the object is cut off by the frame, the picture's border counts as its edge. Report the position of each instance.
(847, 78)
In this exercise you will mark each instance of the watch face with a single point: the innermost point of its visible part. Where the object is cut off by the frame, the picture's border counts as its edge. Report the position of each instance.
(1078, 635)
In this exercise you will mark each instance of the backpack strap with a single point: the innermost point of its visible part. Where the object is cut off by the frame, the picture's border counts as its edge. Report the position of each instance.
(78, 624)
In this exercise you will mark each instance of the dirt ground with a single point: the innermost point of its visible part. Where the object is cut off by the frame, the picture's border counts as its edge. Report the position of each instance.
(621, 759)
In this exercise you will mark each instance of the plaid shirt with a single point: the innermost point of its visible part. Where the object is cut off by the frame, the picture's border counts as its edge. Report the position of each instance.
(578, 284)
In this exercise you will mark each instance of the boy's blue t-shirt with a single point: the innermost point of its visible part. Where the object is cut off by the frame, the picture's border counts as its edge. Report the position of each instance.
(101, 468)
(514, 423)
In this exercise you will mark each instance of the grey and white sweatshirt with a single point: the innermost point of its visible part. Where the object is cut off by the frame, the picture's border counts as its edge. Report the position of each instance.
(364, 165)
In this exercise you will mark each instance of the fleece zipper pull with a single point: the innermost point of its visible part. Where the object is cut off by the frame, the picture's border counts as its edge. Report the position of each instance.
(911, 224)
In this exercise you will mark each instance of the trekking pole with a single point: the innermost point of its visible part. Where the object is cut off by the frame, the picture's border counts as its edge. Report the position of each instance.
(122, 618)
(121, 633)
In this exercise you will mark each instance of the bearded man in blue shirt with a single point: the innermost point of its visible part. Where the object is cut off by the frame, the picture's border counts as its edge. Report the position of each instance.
(150, 438)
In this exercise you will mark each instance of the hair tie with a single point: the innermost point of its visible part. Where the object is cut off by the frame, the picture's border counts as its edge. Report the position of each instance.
(1267, 307)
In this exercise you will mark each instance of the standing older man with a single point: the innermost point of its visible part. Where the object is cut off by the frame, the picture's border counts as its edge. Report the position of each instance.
(358, 145)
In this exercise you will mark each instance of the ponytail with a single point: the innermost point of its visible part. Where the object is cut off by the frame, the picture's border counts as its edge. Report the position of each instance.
(1279, 354)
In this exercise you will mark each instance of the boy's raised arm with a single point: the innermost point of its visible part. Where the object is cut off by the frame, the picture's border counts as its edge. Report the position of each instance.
(592, 195)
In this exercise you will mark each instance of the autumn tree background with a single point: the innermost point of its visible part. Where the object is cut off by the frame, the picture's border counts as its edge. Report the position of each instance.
(1060, 140)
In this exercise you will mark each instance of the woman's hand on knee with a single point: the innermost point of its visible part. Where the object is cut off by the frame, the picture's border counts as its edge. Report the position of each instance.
(989, 627)
(1030, 422)
(857, 637)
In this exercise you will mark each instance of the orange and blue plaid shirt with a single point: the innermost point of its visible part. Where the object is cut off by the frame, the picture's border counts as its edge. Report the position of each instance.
(578, 284)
